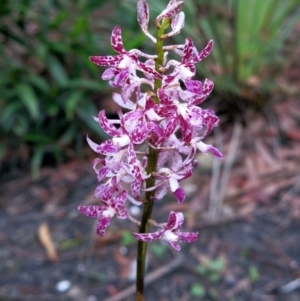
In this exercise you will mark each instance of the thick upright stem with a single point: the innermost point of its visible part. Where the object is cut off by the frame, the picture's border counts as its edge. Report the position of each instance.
(151, 167)
(144, 227)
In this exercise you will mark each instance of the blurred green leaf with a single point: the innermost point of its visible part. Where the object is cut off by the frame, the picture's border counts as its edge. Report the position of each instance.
(248, 40)
(197, 290)
(69, 134)
(37, 138)
(2, 152)
(253, 273)
(39, 82)
(57, 71)
(20, 125)
(58, 47)
(214, 277)
(28, 97)
(92, 85)
(127, 238)
(52, 108)
(217, 265)
(8, 114)
(71, 103)
(201, 269)
(70, 244)
(159, 250)
(59, 19)
(36, 160)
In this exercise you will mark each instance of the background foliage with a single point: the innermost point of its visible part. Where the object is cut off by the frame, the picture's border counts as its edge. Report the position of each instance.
(49, 89)
(251, 41)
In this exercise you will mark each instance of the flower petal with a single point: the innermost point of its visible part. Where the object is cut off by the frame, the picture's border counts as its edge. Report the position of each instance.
(133, 164)
(172, 9)
(175, 245)
(107, 148)
(102, 225)
(187, 50)
(143, 14)
(179, 195)
(161, 191)
(106, 125)
(124, 103)
(134, 201)
(120, 77)
(210, 120)
(186, 129)
(208, 148)
(102, 173)
(136, 188)
(148, 69)
(188, 236)
(91, 211)
(163, 97)
(194, 86)
(122, 213)
(107, 60)
(203, 54)
(118, 201)
(175, 221)
(109, 73)
(178, 23)
(173, 184)
(149, 236)
(206, 90)
(116, 40)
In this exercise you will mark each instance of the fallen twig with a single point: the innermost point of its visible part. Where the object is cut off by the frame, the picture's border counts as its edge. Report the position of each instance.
(289, 287)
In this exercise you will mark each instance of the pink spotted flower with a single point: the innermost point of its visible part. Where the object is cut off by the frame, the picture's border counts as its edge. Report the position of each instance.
(133, 129)
(170, 232)
(123, 67)
(168, 178)
(105, 213)
(186, 69)
(189, 116)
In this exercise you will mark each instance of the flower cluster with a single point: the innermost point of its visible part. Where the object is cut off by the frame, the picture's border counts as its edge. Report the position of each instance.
(161, 113)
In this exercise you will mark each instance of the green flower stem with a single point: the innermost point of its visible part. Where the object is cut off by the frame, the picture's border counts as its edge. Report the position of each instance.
(151, 167)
